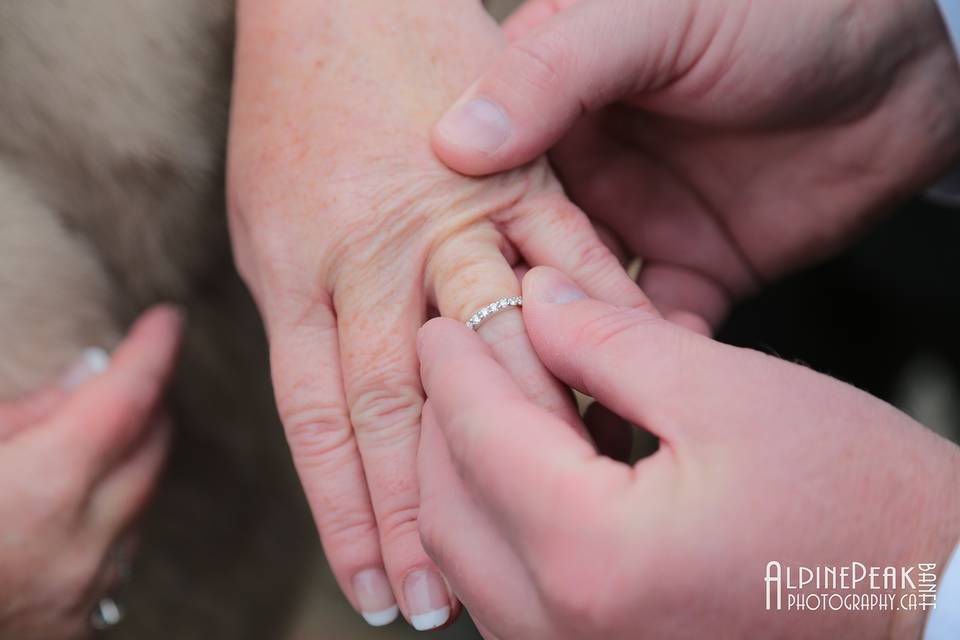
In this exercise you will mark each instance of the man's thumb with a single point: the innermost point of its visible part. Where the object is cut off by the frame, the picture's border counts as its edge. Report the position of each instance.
(630, 359)
(583, 58)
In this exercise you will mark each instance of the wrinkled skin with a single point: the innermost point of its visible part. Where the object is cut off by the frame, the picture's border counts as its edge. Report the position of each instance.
(760, 460)
(348, 231)
(78, 467)
(723, 142)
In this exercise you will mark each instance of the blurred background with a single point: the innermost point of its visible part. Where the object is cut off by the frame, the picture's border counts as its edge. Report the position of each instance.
(884, 315)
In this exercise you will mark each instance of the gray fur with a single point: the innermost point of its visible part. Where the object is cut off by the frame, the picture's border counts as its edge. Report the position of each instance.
(113, 117)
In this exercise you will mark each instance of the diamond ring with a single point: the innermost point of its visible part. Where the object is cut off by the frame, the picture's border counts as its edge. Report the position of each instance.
(492, 309)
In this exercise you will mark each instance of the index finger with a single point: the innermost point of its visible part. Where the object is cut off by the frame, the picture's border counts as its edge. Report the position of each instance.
(518, 459)
(107, 415)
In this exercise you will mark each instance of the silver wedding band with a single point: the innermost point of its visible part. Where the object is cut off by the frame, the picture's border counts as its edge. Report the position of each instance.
(492, 309)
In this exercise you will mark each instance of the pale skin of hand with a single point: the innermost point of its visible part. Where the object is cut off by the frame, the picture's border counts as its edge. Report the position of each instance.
(723, 142)
(759, 460)
(77, 467)
(348, 230)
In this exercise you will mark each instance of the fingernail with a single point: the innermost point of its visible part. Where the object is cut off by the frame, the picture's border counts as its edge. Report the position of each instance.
(93, 361)
(375, 597)
(427, 599)
(476, 125)
(550, 286)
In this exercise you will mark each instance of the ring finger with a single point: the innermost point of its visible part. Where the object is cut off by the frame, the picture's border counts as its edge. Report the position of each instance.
(382, 385)
(469, 272)
(305, 359)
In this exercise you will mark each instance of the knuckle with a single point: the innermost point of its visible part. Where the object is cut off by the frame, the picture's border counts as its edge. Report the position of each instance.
(543, 61)
(341, 526)
(603, 332)
(399, 522)
(387, 409)
(590, 256)
(318, 433)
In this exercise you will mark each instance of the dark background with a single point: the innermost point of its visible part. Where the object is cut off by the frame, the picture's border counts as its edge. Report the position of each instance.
(884, 315)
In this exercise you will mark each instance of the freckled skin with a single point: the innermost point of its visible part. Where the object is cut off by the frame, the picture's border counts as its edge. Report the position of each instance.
(348, 229)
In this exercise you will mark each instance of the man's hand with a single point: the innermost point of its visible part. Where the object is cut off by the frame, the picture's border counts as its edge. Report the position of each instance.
(350, 232)
(760, 460)
(724, 142)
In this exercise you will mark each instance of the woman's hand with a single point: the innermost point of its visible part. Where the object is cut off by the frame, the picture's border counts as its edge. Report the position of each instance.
(760, 460)
(723, 142)
(77, 467)
(348, 231)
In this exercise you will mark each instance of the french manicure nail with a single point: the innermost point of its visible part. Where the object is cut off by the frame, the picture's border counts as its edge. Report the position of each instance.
(93, 361)
(555, 288)
(427, 599)
(377, 605)
(476, 125)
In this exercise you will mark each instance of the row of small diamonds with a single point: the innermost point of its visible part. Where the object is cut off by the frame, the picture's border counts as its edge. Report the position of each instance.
(490, 309)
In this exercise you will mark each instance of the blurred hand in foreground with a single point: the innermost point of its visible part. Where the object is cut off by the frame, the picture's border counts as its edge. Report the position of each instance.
(78, 464)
